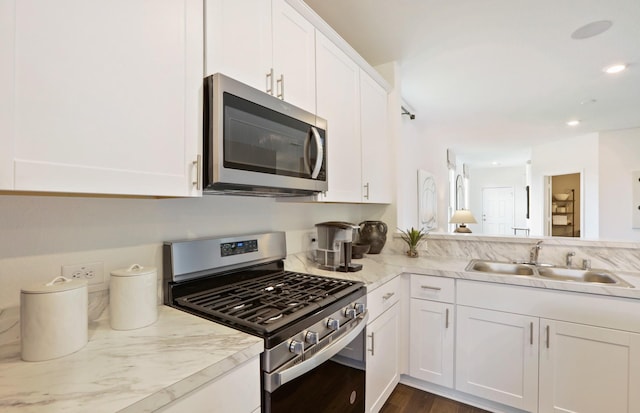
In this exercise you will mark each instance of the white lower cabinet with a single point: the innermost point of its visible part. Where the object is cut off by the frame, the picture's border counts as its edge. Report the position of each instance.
(382, 344)
(431, 329)
(535, 350)
(588, 369)
(237, 391)
(382, 358)
(497, 356)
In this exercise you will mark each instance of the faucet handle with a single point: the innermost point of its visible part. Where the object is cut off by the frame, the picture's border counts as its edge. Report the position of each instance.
(586, 264)
(569, 258)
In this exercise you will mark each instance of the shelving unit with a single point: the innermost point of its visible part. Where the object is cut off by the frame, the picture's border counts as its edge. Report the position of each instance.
(563, 217)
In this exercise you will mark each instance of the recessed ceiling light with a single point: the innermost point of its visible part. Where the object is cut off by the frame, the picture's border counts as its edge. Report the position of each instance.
(574, 122)
(495, 163)
(591, 29)
(617, 68)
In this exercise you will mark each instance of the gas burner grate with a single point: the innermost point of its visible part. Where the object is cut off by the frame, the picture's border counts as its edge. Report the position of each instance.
(268, 303)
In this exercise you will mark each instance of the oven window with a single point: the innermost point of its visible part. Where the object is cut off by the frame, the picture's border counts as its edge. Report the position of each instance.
(261, 140)
(331, 387)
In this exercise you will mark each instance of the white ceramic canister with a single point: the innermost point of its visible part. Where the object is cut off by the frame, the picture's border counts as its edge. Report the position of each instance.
(133, 299)
(53, 319)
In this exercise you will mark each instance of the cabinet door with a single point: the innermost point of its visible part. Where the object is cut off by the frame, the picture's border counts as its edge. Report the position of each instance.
(588, 369)
(223, 395)
(7, 63)
(376, 143)
(382, 359)
(338, 103)
(294, 60)
(431, 342)
(238, 41)
(107, 96)
(497, 356)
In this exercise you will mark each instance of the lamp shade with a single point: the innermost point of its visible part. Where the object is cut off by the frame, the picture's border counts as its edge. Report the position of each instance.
(463, 216)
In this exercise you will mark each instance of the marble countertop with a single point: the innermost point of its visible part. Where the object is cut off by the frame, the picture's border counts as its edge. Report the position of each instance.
(144, 369)
(380, 268)
(129, 371)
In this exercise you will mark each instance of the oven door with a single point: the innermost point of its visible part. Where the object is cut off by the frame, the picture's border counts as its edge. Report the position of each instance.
(332, 380)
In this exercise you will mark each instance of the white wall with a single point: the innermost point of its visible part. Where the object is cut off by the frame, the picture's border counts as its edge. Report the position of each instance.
(574, 155)
(513, 177)
(619, 156)
(41, 233)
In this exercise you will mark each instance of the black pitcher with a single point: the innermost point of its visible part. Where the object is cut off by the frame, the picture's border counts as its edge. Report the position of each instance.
(373, 233)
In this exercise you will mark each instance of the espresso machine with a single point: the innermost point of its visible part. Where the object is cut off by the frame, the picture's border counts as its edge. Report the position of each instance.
(334, 246)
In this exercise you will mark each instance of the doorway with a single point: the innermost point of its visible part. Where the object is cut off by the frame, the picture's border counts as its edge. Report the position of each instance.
(563, 205)
(497, 210)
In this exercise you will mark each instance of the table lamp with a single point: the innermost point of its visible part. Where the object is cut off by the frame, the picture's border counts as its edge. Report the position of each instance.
(462, 217)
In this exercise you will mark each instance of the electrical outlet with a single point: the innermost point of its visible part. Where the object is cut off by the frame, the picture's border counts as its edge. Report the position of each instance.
(92, 272)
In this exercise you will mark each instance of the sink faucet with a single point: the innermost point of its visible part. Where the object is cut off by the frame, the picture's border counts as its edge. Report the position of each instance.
(569, 259)
(535, 251)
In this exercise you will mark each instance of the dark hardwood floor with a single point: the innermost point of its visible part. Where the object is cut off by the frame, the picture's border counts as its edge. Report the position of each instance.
(405, 399)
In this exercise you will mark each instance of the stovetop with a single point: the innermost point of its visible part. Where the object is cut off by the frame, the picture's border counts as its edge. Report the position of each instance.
(240, 281)
(266, 304)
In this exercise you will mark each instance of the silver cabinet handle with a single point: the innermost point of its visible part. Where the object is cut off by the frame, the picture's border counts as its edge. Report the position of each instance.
(269, 87)
(198, 166)
(366, 196)
(428, 287)
(531, 333)
(373, 343)
(387, 296)
(280, 82)
(446, 322)
(548, 334)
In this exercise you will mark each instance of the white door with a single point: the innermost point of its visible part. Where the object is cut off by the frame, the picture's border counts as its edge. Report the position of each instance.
(376, 157)
(588, 369)
(246, 57)
(497, 356)
(497, 211)
(107, 96)
(432, 342)
(382, 358)
(294, 58)
(338, 102)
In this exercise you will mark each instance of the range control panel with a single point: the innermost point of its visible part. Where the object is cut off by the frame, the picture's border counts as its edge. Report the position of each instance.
(239, 247)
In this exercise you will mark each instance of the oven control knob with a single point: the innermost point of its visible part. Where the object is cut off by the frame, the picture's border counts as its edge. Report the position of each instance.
(360, 307)
(296, 347)
(312, 337)
(350, 313)
(333, 324)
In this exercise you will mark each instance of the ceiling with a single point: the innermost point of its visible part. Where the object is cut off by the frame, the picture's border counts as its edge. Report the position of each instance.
(494, 77)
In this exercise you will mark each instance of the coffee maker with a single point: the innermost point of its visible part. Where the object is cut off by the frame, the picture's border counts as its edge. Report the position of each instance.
(334, 246)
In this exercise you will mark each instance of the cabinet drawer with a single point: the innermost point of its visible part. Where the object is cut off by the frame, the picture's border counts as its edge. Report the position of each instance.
(428, 287)
(383, 297)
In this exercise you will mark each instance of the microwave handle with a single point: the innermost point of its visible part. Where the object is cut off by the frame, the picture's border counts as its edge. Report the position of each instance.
(320, 149)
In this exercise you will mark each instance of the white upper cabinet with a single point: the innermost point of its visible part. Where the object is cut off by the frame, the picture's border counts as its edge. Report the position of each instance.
(106, 96)
(238, 41)
(338, 101)
(264, 43)
(294, 58)
(376, 142)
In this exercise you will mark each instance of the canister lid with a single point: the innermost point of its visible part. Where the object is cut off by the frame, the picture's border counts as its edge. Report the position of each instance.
(132, 271)
(58, 284)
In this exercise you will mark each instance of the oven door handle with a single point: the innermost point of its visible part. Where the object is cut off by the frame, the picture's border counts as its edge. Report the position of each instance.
(279, 378)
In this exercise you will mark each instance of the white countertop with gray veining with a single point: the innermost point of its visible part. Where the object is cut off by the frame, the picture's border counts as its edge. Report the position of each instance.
(144, 369)
(131, 371)
(380, 268)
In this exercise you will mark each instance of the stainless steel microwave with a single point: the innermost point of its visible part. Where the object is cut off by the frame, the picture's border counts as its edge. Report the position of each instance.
(257, 144)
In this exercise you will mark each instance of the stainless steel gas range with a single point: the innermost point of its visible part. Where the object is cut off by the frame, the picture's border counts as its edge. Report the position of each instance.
(312, 326)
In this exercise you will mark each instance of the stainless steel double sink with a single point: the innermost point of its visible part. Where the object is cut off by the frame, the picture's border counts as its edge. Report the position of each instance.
(548, 272)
